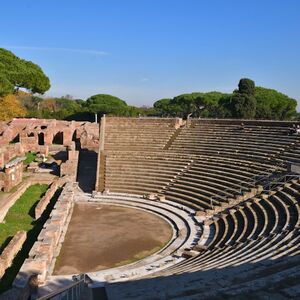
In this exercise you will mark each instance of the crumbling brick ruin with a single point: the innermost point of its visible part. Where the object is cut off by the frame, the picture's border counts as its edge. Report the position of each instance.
(40, 136)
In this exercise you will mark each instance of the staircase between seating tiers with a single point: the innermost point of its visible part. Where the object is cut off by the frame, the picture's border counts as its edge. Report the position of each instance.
(178, 176)
(172, 138)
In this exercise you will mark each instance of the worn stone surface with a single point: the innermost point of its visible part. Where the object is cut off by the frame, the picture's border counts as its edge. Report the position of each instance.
(40, 135)
(43, 251)
(11, 250)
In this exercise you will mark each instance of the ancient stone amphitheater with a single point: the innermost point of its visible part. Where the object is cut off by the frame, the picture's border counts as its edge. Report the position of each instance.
(230, 191)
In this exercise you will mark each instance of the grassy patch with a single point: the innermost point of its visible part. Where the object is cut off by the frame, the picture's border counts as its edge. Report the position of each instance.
(30, 157)
(21, 217)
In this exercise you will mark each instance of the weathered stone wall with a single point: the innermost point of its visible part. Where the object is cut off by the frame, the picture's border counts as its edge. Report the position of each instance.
(12, 176)
(89, 135)
(10, 251)
(40, 132)
(69, 168)
(12, 198)
(43, 203)
(45, 249)
(38, 135)
(9, 151)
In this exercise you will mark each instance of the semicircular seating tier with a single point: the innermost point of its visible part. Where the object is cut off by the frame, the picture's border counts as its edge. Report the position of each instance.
(238, 179)
(252, 248)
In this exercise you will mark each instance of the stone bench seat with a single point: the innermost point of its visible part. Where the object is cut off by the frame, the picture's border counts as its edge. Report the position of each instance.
(234, 146)
(146, 182)
(148, 164)
(159, 132)
(141, 147)
(250, 166)
(234, 154)
(165, 176)
(176, 196)
(154, 183)
(173, 197)
(132, 189)
(222, 148)
(205, 186)
(196, 137)
(154, 162)
(232, 225)
(231, 178)
(197, 194)
(265, 251)
(251, 133)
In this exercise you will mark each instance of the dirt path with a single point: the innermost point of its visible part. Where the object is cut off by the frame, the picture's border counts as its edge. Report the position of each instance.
(102, 236)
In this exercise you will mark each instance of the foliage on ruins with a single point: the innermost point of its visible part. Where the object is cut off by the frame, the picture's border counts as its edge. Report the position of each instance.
(18, 73)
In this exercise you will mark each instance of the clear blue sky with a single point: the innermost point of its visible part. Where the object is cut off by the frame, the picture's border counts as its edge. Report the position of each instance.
(144, 50)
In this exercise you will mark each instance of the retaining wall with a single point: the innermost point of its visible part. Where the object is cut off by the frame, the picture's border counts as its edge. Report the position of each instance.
(10, 251)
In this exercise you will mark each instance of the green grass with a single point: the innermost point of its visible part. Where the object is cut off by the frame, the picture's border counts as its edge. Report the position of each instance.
(21, 217)
(30, 157)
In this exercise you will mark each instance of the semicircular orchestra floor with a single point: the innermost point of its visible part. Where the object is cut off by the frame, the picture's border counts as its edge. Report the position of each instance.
(103, 236)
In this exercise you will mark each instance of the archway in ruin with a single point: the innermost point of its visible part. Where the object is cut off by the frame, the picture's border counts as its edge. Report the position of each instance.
(16, 139)
(76, 140)
(41, 139)
(58, 138)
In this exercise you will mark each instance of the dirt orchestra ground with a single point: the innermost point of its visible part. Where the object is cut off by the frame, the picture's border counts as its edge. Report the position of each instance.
(102, 236)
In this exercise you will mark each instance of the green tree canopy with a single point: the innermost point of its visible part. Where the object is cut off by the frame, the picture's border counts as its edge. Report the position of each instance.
(246, 86)
(164, 107)
(106, 104)
(272, 104)
(18, 73)
(243, 101)
(197, 104)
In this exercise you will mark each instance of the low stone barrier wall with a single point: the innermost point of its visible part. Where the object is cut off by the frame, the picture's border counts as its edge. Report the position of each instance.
(69, 168)
(43, 203)
(45, 249)
(10, 251)
(12, 198)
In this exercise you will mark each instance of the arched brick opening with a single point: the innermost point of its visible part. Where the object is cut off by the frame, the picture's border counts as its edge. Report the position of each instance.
(16, 139)
(41, 139)
(58, 138)
(76, 140)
